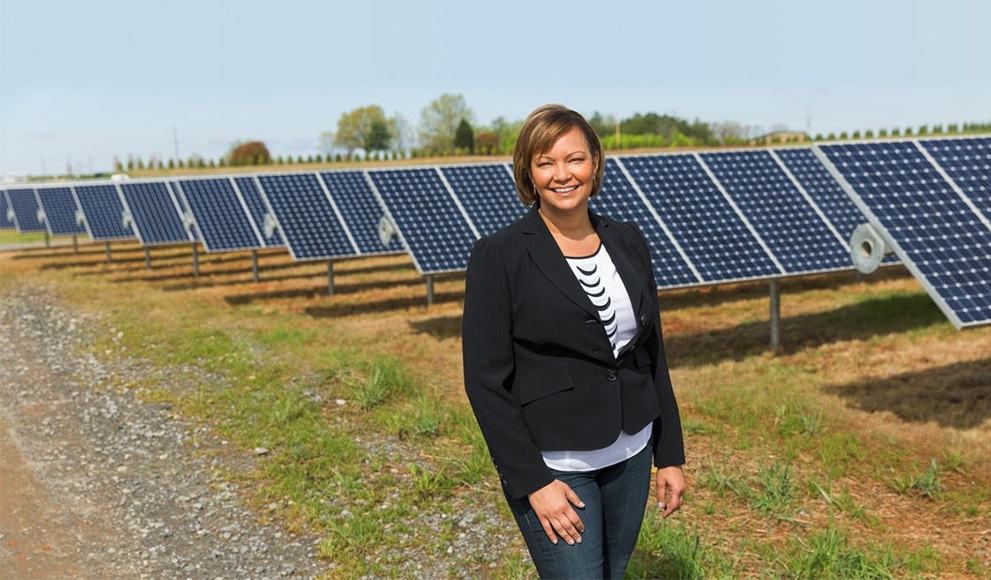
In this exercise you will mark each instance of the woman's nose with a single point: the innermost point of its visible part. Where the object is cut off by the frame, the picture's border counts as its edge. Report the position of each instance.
(561, 173)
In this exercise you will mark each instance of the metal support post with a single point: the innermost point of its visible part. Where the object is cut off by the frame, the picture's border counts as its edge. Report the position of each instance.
(196, 261)
(254, 264)
(330, 277)
(48, 241)
(775, 315)
(75, 245)
(108, 253)
(148, 258)
(430, 290)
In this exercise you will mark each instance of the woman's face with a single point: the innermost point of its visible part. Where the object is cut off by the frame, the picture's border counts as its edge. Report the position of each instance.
(563, 176)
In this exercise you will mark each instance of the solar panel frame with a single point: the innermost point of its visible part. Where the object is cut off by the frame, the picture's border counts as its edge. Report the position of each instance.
(289, 235)
(708, 262)
(23, 203)
(61, 211)
(6, 222)
(355, 209)
(149, 234)
(466, 182)
(800, 239)
(661, 256)
(256, 203)
(420, 261)
(200, 214)
(98, 213)
(874, 220)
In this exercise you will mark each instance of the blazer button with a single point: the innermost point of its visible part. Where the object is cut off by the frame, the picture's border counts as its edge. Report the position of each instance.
(643, 320)
(611, 374)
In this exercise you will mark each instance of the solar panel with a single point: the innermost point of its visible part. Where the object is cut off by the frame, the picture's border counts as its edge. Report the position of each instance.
(308, 222)
(102, 210)
(185, 213)
(968, 162)
(6, 221)
(433, 226)
(256, 206)
(715, 239)
(488, 194)
(943, 242)
(222, 221)
(619, 200)
(156, 213)
(60, 211)
(360, 210)
(25, 210)
(795, 234)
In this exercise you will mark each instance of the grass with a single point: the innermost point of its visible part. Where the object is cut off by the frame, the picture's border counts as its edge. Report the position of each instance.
(787, 469)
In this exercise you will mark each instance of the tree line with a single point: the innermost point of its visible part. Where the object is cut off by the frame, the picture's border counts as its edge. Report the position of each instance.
(447, 127)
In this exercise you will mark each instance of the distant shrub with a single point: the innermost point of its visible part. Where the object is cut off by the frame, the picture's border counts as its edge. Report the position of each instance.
(289, 160)
(856, 135)
(831, 137)
(200, 163)
(882, 132)
(160, 165)
(299, 159)
(309, 159)
(250, 153)
(952, 128)
(937, 129)
(221, 162)
(818, 137)
(908, 131)
(171, 163)
(214, 163)
(337, 158)
(923, 129)
(843, 136)
(895, 132)
(181, 164)
(868, 133)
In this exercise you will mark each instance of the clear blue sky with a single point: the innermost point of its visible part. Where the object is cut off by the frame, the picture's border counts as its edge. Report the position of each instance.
(96, 79)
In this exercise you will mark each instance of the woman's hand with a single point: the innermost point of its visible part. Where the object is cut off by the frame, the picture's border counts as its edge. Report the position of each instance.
(552, 504)
(670, 479)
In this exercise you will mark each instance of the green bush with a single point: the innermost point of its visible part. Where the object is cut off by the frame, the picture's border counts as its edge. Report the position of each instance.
(895, 132)
(868, 134)
(856, 135)
(908, 131)
(882, 132)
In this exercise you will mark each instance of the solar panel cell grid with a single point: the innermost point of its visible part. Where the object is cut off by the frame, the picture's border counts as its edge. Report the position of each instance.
(309, 223)
(6, 221)
(360, 210)
(156, 215)
(620, 201)
(438, 237)
(710, 232)
(796, 235)
(25, 206)
(60, 211)
(488, 195)
(939, 234)
(103, 211)
(968, 163)
(246, 185)
(223, 224)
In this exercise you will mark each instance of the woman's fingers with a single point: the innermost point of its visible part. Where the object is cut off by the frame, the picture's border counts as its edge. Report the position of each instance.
(552, 505)
(565, 527)
(670, 483)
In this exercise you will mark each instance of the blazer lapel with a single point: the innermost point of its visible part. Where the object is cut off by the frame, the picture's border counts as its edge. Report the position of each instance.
(548, 257)
(631, 276)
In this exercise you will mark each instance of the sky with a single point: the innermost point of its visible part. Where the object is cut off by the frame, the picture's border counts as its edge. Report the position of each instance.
(82, 82)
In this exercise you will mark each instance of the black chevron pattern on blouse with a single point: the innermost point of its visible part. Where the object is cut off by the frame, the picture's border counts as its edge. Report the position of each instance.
(595, 289)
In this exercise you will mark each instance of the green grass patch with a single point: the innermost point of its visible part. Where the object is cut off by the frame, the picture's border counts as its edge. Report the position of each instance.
(673, 549)
(927, 483)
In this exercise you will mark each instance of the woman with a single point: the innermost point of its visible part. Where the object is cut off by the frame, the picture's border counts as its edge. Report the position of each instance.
(564, 360)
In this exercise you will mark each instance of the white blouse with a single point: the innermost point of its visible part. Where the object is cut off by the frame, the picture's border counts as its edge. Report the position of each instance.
(599, 279)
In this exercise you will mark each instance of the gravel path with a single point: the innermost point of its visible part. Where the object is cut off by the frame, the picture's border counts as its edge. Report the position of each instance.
(98, 484)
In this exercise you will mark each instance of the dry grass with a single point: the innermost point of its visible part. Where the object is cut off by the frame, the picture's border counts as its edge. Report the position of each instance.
(871, 385)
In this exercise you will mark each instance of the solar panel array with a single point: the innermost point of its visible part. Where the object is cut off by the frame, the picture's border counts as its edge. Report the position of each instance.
(435, 230)
(103, 212)
(488, 194)
(968, 163)
(60, 211)
(936, 232)
(258, 210)
(306, 217)
(156, 213)
(25, 210)
(222, 221)
(6, 221)
(361, 212)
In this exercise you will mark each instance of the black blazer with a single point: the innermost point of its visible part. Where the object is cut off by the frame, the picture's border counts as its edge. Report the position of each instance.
(539, 369)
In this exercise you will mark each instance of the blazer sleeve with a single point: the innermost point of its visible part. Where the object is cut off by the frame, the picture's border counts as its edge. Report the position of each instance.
(489, 369)
(669, 444)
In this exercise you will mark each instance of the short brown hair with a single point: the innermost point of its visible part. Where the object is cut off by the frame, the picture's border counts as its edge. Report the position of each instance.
(539, 132)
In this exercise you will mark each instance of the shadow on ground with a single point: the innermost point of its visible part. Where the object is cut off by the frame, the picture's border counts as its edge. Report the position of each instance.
(956, 395)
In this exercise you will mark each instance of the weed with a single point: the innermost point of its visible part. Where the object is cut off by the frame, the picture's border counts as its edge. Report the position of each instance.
(386, 378)
(696, 427)
(430, 485)
(776, 491)
(717, 479)
(828, 554)
(669, 549)
(927, 484)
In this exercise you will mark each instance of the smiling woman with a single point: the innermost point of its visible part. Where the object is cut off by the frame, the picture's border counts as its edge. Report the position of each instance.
(564, 360)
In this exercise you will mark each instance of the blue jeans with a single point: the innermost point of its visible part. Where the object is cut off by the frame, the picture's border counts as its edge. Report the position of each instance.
(615, 498)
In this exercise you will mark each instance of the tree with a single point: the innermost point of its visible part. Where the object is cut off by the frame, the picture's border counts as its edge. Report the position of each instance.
(118, 166)
(439, 121)
(487, 142)
(464, 137)
(327, 142)
(378, 137)
(248, 153)
(403, 136)
(354, 127)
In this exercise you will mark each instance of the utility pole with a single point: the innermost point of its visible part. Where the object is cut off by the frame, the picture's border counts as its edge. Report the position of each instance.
(175, 136)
